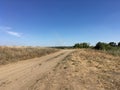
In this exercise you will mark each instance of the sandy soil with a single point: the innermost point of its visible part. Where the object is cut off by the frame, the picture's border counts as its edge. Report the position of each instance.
(82, 69)
(22, 75)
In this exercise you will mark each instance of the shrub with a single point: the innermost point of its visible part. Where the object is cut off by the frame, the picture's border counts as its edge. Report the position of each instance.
(102, 46)
(119, 44)
(84, 45)
(76, 45)
(81, 45)
(113, 44)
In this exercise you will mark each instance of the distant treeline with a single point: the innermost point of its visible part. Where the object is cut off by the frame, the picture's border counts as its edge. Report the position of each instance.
(107, 46)
(98, 46)
(82, 45)
(111, 47)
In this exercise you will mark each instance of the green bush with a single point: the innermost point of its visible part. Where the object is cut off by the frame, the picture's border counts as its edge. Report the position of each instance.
(113, 44)
(76, 45)
(81, 45)
(119, 44)
(114, 51)
(102, 46)
(110, 48)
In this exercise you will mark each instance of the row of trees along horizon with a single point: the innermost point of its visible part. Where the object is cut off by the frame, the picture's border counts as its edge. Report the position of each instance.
(98, 46)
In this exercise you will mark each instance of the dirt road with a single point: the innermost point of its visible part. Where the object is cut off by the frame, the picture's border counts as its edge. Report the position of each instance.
(24, 74)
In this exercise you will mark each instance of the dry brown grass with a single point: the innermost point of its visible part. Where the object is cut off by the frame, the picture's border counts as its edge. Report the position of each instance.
(87, 69)
(13, 54)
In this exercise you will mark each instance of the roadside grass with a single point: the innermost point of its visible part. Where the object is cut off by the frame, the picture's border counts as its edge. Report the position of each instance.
(115, 51)
(13, 54)
(105, 65)
(89, 67)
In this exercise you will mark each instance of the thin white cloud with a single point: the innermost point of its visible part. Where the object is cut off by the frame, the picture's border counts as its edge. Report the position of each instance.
(9, 31)
(14, 33)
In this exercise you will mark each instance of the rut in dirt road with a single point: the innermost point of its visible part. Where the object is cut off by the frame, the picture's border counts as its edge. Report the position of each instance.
(22, 75)
(83, 69)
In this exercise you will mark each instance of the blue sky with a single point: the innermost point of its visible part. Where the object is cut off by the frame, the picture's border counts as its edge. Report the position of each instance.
(58, 22)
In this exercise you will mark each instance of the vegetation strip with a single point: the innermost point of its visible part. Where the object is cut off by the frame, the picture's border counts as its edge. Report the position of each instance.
(14, 54)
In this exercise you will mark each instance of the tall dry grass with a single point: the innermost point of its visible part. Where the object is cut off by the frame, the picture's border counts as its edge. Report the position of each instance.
(13, 54)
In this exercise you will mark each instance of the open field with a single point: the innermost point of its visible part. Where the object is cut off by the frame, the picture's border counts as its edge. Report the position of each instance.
(22, 75)
(79, 69)
(13, 54)
(83, 70)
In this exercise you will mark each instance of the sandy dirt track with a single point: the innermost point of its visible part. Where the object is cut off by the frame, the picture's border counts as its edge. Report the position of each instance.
(83, 69)
(22, 75)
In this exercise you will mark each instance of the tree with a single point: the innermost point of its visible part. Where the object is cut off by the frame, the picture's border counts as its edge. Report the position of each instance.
(113, 44)
(76, 45)
(85, 45)
(102, 46)
(81, 45)
(119, 44)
